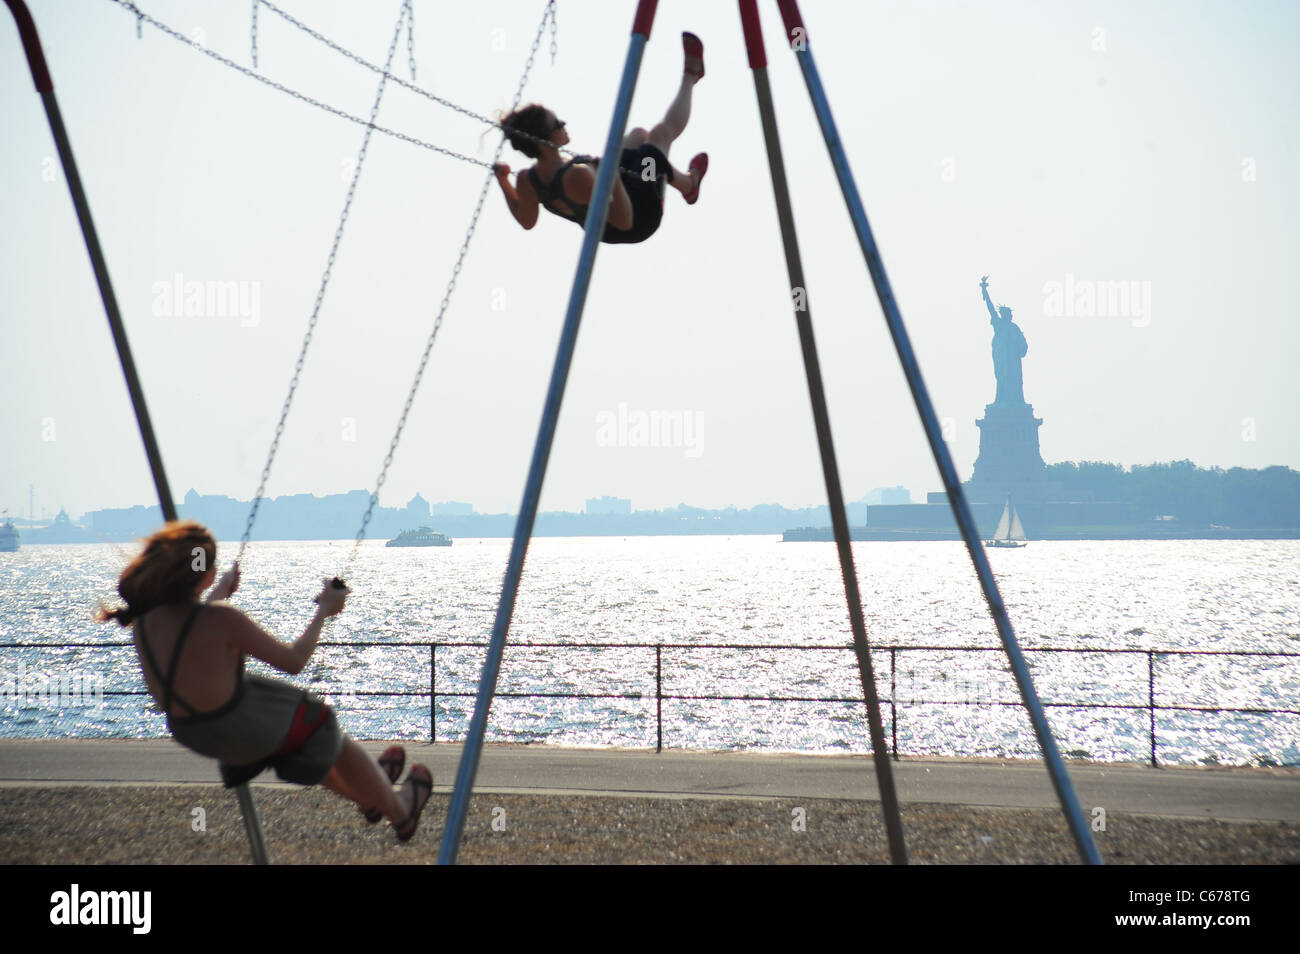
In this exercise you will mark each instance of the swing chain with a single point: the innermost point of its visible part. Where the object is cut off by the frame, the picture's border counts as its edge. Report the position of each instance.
(139, 25)
(547, 16)
(554, 46)
(410, 36)
(302, 97)
(320, 296)
(254, 34)
(442, 309)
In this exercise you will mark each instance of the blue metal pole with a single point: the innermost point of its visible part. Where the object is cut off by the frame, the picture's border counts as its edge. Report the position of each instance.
(948, 471)
(595, 226)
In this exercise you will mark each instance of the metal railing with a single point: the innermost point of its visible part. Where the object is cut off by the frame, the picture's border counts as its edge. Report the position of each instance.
(896, 705)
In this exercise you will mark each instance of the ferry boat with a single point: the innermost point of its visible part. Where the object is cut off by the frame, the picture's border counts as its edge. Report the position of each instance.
(424, 537)
(8, 536)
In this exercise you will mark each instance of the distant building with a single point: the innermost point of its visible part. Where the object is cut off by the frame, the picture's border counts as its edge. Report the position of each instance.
(453, 508)
(887, 495)
(609, 505)
(418, 510)
(124, 523)
(62, 530)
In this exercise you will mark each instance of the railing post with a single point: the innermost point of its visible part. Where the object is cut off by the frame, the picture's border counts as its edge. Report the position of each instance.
(893, 701)
(433, 692)
(659, 696)
(1151, 702)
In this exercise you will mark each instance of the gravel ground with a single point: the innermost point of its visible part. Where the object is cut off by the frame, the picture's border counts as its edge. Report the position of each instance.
(133, 824)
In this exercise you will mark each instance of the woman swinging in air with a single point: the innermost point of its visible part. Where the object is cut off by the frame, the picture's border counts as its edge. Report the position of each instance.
(192, 654)
(564, 187)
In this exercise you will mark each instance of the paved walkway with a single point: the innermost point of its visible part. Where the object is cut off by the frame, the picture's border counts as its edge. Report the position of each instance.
(1223, 794)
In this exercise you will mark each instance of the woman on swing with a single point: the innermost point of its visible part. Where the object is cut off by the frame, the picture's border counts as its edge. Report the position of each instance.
(192, 654)
(564, 187)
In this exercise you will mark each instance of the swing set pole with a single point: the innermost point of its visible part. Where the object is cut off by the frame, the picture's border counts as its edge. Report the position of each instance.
(45, 87)
(797, 34)
(597, 212)
(821, 417)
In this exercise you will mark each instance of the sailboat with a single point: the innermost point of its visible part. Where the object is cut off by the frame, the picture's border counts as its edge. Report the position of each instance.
(1010, 532)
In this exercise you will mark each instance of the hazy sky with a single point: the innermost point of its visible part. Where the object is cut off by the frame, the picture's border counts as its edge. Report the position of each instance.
(1150, 143)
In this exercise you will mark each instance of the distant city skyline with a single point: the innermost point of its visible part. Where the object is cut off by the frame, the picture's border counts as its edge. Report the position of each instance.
(1174, 500)
(460, 508)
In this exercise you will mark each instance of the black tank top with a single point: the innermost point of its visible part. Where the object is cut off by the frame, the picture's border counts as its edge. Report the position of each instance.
(549, 194)
(647, 197)
(168, 679)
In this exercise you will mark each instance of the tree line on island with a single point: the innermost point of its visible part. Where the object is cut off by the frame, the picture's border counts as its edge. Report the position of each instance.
(1196, 496)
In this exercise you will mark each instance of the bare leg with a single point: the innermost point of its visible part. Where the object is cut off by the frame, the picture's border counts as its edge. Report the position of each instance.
(674, 122)
(334, 782)
(358, 778)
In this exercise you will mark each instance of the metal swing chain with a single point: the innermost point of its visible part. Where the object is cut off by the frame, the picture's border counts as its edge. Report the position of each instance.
(410, 37)
(420, 91)
(554, 46)
(302, 97)
(442, 307)
(254, 34)
(142, 17)
(320, 296)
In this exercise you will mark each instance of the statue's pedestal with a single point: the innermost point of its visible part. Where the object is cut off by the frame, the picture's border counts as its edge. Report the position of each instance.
(1009, 462)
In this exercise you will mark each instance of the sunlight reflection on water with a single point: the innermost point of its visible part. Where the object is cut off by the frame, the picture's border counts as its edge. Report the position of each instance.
(687, 591)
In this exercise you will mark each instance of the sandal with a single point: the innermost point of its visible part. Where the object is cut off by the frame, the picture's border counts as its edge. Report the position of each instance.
(392, 762)
(693, 47)
(421, 782)
(699, 165)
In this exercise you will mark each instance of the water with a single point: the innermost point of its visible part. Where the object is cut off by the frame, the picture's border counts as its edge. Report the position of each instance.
(689, 591)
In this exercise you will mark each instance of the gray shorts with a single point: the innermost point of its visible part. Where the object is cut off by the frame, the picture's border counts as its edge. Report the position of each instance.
(269, 723)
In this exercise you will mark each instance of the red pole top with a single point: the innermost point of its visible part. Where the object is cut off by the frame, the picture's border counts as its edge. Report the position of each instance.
(645, 17)
(795, 31)
(753, 34)
(31, 46)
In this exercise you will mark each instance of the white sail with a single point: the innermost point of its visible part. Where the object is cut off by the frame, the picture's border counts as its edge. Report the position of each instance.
(1017, 530)
(1004, 524)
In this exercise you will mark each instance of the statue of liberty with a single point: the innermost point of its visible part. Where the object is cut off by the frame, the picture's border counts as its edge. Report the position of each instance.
(1009, 346)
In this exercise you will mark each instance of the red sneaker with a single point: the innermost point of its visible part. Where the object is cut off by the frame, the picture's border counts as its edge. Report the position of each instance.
(693, 47)
(699, 165)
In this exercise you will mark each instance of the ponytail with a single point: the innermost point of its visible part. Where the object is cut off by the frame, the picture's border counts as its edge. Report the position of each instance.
(168, 570)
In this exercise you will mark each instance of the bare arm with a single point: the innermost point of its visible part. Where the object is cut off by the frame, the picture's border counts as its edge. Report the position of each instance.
(247, 637)
(520, 198)
(226, 586)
